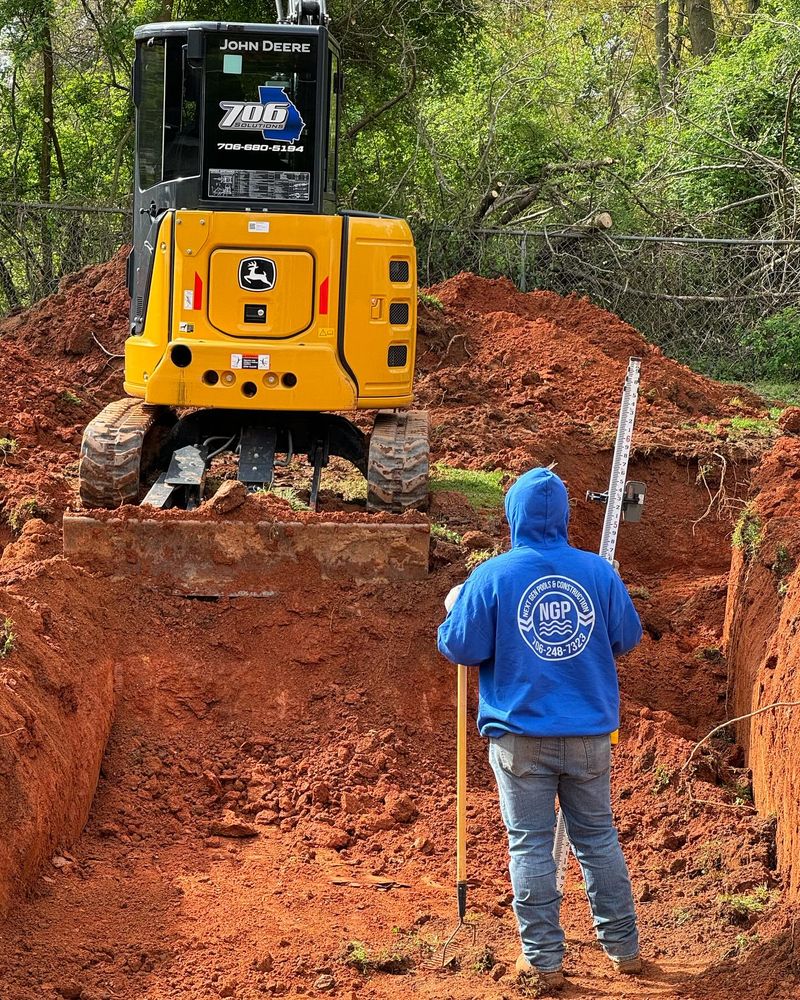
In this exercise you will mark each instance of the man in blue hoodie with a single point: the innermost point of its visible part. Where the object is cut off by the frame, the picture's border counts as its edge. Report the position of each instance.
(544, 623)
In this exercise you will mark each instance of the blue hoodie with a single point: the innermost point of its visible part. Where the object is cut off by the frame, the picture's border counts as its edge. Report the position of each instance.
(544, 622)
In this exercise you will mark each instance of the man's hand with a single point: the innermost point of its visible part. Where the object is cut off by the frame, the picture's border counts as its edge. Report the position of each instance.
(452, 597)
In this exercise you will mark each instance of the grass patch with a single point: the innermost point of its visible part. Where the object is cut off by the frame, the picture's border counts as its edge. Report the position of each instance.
(748, 533)
(485, 961)
(445, 533)
(662, 776)
(483, 490)
(711, 653)
(432, 301)
(8, 638)
(753, 426)
(787, 393)
(70, 398)
(744, 941)
(738, 427)
(740, 907)
(358, 956)
(289, 494)
(23, 512)
(782, 567)
(709, 858)
(682, 915)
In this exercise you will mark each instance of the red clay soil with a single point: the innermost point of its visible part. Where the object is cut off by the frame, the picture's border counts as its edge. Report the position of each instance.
(274, 814)
(761, 641)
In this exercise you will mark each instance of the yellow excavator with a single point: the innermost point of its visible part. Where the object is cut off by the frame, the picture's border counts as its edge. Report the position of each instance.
(258, 311)
(259, 314)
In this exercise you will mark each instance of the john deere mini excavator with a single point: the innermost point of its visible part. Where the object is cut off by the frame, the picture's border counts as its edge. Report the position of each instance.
(258, 312)
(254, 304)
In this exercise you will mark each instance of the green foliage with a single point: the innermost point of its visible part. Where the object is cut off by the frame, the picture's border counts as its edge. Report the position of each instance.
(478, 556)
(682, 915)
(744, 941)
(445, 533)
(70, 398)
(290, 495)
(740, 907)
(662, 776)
(8, 446)
(787, 392)
(23, 512)
(8, 638)
(358, 956)
(485, 961)
(711, 653)
(782, 566)
(641, 592)
(432, 301)
(748, 533)
(775, 345)
(484, 490)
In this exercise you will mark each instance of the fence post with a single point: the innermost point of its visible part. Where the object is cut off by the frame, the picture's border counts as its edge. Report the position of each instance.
(523, 264)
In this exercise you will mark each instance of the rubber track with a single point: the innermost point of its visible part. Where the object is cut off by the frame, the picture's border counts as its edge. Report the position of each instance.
(111, 453)
(399, 461)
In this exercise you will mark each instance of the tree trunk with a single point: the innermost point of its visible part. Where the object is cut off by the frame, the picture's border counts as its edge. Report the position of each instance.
(701, 27)
(8, 287)
(46, 154)
(663, 50)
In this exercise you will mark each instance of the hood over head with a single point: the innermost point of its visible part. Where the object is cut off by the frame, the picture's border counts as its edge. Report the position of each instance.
(537, 509)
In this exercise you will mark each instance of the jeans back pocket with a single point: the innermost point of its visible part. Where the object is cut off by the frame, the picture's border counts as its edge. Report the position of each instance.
(517, 755)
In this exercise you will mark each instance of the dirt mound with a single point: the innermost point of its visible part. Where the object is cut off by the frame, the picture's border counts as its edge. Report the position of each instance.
(55, 377)
(513, 378)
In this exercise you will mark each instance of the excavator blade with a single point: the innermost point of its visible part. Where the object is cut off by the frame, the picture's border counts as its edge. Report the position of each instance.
(209, 557)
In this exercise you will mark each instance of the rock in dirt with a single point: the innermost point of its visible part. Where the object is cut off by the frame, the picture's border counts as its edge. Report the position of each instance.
(324, 983)
(477, 540)
(229, 496)
(70, 991)
(443, 552)
(265, 964)
(789, 420)
(231, 826)
(498, 971)
(401, 807)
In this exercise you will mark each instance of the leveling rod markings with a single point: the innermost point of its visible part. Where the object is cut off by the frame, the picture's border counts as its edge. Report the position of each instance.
(608, 545)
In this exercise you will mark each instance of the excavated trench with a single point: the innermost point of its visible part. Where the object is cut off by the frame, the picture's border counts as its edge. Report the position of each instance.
(274, 808)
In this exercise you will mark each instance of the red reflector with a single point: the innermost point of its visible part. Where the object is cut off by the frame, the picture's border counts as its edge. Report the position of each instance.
(198, 291)
(323, 297)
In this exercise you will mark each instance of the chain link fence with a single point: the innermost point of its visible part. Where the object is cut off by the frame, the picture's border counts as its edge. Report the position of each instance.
(725, 307)
(41, 242)
(730, 308)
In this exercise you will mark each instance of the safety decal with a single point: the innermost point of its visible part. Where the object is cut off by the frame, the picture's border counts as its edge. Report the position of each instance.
(556, 617)
(250, 362)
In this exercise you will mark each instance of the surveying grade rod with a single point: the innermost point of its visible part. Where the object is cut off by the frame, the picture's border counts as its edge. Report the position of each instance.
(461, 795)
(608, 545)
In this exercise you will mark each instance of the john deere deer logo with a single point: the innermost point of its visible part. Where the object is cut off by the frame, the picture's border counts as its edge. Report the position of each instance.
(257, 274)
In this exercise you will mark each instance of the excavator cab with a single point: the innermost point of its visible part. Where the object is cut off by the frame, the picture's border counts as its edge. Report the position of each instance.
(261, 316)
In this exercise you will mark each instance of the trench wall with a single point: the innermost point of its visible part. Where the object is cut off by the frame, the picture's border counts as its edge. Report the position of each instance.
(762, 643)
(56, 706)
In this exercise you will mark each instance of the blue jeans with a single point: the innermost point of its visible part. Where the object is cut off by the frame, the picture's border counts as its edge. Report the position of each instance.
(530, 771)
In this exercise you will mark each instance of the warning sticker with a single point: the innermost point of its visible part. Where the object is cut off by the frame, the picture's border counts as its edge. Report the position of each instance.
(262, 185)
(254, 362)
(257, 227)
